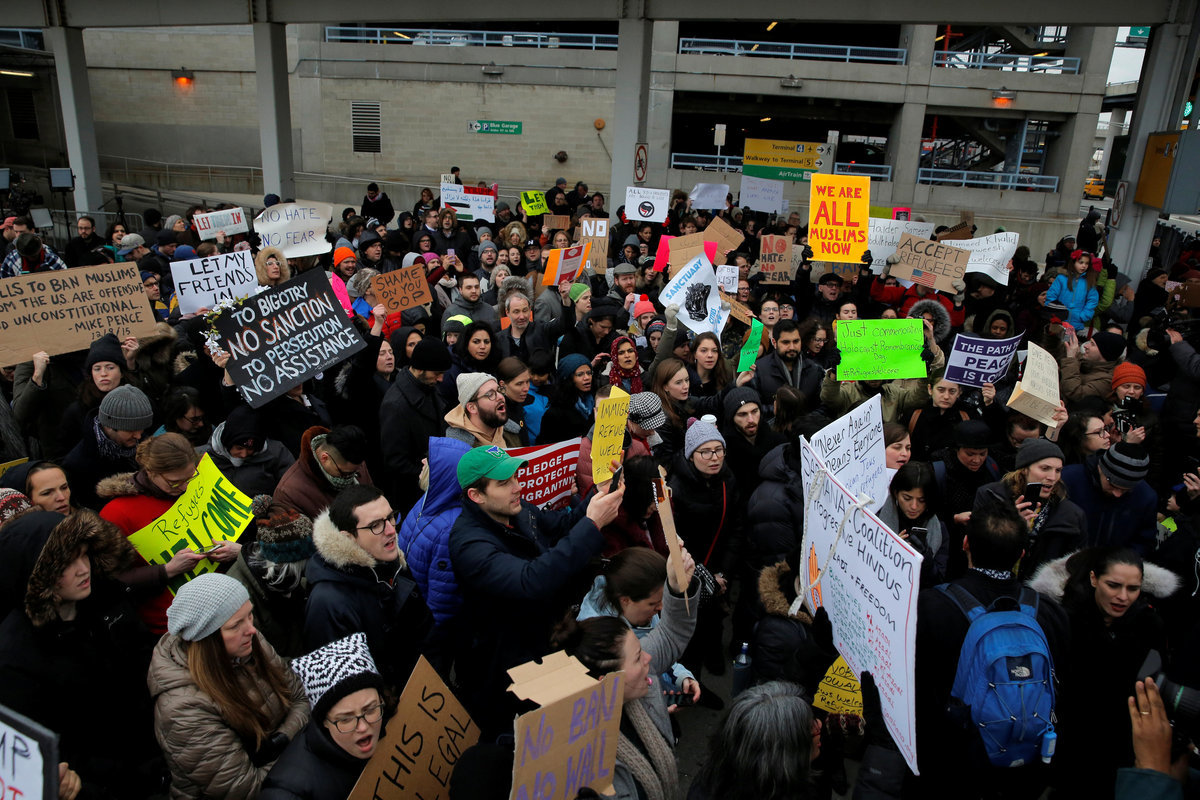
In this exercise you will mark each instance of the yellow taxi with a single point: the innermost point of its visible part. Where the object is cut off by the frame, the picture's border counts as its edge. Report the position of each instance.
(1093, 188)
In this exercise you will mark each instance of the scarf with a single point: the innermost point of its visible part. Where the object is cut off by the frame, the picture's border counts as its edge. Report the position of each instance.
(1040, 519)
(618, 376)
(995, 574)
(337, 481)
(658, 775)
(585, 405)
(109, 449)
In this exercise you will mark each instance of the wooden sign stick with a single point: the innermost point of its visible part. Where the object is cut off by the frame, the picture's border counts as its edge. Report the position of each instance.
(667, 517)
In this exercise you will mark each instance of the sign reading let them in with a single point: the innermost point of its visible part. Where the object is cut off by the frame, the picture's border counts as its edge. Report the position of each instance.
(839, 217)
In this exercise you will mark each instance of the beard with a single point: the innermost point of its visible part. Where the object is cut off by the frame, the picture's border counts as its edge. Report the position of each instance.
(494, 419)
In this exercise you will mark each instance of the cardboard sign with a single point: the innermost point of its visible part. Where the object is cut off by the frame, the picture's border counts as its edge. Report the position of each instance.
(684, 249)
(548, 477)
(210, 510)
(1183, 295)
(28, 758)
(571, 741)
(709, 195)
(284, 336)
(839, 692)
(16, 462)
(725, 236)
(930, 263)
(468, 206)
(852, 448)
(737, 309)
(203, 282)
(749, 352)
(228, 221)
(1036, 394)
(643, 204)
(974, 361)
(991, 254)
(611, 415)
(880, 349)
(960, 231)
(555, 222)
(565, 263)
(867, 578)
(430, 730)
(298, 229)
(775, 259)
(694, 289)
(66, 310)
(402, 288)
(761, 194)
(839, 217)
(883, 235)
(594, 231)
(534, 202)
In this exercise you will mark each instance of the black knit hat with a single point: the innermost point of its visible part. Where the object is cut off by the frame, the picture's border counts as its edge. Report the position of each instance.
(242, 424)
(1125, 464)
(1033, 450)
(430, 354)
(106, 348)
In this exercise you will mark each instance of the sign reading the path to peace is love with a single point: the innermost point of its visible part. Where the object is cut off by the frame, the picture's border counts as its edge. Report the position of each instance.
(839, 212)
(974, 361)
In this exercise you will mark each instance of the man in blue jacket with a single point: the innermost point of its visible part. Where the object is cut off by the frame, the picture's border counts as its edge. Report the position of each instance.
(1111, 489)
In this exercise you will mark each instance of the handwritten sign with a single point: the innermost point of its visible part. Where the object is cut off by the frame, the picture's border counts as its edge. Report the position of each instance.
(991, 254)
(203, 282)
(838, 216)
(227, 221)
(643, 204)
(425, 738)
(548, 477)
(960, 231)
(1036, 394)
(284, 336)
(880, 349)
(724, 236)
(709, 195)
(761, 194)
(775, 259)
(694, 289)
(867, 578)
(974, 362)
(852, 448)
(534, 202)
(402, 288)
(839, 692)
(66, 310)
(749, 353)
(565, 263)
(611, 415)
(727, 278)
(929, 263)
(28, 758)
(297, 229)
(883, 235)
(210, 510)
(468, 206)
(594, 231)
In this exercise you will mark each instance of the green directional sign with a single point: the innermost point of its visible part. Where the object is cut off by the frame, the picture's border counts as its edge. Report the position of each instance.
(1139, 32)
(495, 126)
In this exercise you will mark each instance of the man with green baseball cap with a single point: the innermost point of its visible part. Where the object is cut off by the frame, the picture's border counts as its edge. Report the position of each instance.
(517, 566)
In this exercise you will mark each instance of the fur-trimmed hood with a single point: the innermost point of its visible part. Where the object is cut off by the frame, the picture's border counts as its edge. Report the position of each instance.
(119, 485)
(508, 286)
(771, 591)
(260, 266)
(1051, 579)
(941, 317)
(339, 550)
(156, 351)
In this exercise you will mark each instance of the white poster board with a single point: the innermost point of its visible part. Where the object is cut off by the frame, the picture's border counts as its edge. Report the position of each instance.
(727, 278)
(298, 229)
(694, 289)
(867, 579)
(709, 195)
(974, 361)
(28, 758)
(852, 448)
(646, 205)
(228, 221)
(991, 254)
(203, 282)
(884, 234)
(468, 206)
(762, 194)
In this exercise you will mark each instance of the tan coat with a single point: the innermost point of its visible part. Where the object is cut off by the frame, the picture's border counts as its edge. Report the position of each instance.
(1082, 378)
(206, 757)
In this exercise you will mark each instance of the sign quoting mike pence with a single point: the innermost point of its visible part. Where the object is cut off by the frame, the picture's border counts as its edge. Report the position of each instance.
(839, 212)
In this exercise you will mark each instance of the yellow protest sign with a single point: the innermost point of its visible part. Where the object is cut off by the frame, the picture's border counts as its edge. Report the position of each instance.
(534, 202)
(211, 510)
(839, 210)
(7, 465)
(607, 441)
(839, 691)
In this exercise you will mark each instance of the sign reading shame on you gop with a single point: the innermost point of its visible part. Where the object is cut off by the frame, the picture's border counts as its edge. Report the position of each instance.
(974, 361)
(284, 336)
(548, 477)
(203, 282)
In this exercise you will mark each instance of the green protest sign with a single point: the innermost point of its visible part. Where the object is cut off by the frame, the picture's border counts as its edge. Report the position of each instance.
(880, 349)
(750, 348)
(534, 202)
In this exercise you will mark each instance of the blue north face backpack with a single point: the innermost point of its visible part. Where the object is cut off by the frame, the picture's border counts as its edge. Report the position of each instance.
(1005, 677)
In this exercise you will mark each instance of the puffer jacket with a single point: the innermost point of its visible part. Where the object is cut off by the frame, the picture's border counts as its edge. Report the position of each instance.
(775, 519)
(1080, 300)
(783, 646)
(258, 474)
(313, 767)
(425, 533)
(1080, 378)
(206, 757)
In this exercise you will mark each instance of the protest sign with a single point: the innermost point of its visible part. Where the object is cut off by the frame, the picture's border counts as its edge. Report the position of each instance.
(534, 202)
(852, 448)
(16, 462)
(555, 222)
(867, 578)
(683, 249)
(797, 259)
(571, 741)
(839, 692)
(880, 349)
(663, 255)
(643, 204)
(738, 310)
(548, 477)
(228, 221)
(726, 238)
(709, 195)
(929, 263)
(960, 231)
(468, 206)
(402, 288)
(694, 289)
(204, 282)
(66, 310)
(974, 361)
(447, 177)
(565, 263)
(1036, 394)
(749, 352)
(284, 336)
(775, 259)
(761, 194)
(991, 254)
(424, 740)
(902, 213)
(838, 216)
(28, 758)
(210, 510)
(298, 229)
(611, 415)
(727, 278)
(884, 234)
(594, 231)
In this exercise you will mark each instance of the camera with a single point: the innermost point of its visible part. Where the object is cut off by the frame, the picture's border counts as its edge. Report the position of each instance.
(1182, 702)
(1161, 319)
(1125, 415)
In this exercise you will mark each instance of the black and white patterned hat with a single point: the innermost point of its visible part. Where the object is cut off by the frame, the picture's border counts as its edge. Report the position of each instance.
(338, 669)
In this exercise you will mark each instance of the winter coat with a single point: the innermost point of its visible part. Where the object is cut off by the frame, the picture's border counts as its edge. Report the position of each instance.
(207, 758)
(313, 767)
(1127, 521)
(1147, 784)
(410, 414)
(287, 421)
(304, 486)
(351, 592)
(935, 548)
(425, 533)
(549, 308)
(359, 391)
(783, 647)
(86, 468)
(770, 374)
(1080, 378)
(538, 336)
(932, 429)
(380, 208)
(704, 512)
(478, 311)
(775, 515)
(896, 397)
(457, 240)
(39, 409)
(257, 474)
(278, 617)
(1062, 532)
(1080, 300)
(1179, 409)
(260, 267)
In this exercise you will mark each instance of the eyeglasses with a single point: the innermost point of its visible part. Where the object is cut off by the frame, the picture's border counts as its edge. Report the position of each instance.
(197, 419)
(377, 528)
(148, 284)
(715, 452)
(370, 716)
(343, 473)
(491, 394)
(1102, 432)
(176, 484)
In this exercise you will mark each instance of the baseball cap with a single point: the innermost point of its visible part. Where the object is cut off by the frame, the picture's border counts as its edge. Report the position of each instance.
(533, 243)
(131, 242)
(487, 462)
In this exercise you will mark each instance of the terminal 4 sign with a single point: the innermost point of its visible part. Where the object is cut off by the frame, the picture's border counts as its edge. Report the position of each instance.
(786, 161)
(494, 126)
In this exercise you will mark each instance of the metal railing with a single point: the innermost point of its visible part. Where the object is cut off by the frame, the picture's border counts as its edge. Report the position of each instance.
(126, 168)
(25, 38)
(987, 180)
(468, 38)
(1006, 62)
(876, 172)
(720, 163)
(64, 224)
(794, 50)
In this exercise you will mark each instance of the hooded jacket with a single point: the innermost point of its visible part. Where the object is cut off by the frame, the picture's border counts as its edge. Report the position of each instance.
(942, 324)
(313, 767)
(257, 474)
(460, 427)
(1081, 300)
(1127, 521)
(775, 520)
(409, 415)
(260, 267)
(304, 486)
(784, 647)
(87, 467)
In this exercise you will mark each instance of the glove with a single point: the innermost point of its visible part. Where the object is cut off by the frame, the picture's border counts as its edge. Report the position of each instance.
(926, 354)
(822, 630)
(270, 749)
(960, 287)
(671, 312)
(806, 254)
(867, 258)
(835, 358)
(877, 732)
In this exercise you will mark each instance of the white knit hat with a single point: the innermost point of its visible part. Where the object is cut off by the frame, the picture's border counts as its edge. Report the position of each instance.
(339, 668)
(204, 604)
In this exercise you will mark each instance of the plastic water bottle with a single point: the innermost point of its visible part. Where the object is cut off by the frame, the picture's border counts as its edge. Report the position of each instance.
(742, 675)
(1049, 744)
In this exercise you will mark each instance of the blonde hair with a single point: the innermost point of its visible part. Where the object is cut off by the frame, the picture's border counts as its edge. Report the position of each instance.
(166, 452)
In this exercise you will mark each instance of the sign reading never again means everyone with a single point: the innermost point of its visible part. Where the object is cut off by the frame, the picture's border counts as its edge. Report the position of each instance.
(298, 229)
(66, 310)
(204, 282)
(284, 336)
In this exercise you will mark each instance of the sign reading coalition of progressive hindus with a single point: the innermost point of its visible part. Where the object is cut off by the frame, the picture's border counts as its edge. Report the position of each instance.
(203, 282)
(298, 229)
(28, 758)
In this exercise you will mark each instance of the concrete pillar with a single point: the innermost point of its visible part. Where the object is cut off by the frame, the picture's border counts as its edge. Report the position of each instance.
(1069, 156)
(661, 111)
(904, 151)
(274, 109)
(70, 63)
(1115, 123)
(631, 104)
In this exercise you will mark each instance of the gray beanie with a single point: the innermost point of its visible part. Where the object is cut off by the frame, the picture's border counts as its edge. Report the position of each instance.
(1125, 464)
(204, 604)
(1034, 450)
(700, 431)
(469, 383)
(126, 408)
